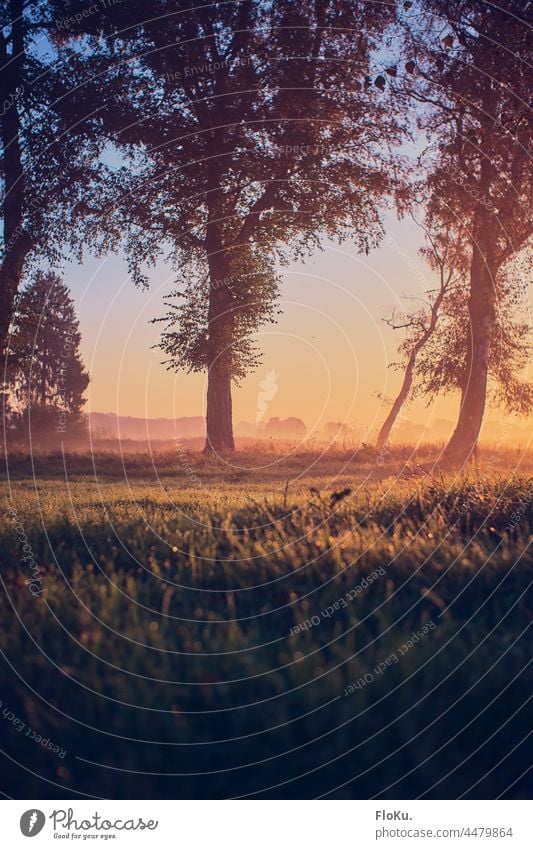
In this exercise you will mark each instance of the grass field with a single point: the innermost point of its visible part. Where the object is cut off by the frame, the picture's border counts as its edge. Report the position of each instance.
(287, 626)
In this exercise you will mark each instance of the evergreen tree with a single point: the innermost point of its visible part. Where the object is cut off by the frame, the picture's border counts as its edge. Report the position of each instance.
(46, 378)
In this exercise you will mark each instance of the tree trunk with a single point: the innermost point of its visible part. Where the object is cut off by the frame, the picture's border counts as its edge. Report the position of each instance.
(482, 313)
(10, 276)
(43, 379)
(219, 421)
(407, 382)
(389, 422)
(17, 242)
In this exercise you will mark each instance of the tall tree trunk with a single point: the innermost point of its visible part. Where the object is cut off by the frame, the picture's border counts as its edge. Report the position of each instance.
(219, 420)
(17, 243)
(482, 313)
(11, 270)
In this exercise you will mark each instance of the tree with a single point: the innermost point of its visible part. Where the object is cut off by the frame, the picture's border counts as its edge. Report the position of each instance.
(256, 129)
(45, 160)
(290, 428)
(442, 366)
(420, 325)
(185, 338)
(436, 344)
(46, 378)
(476, 82)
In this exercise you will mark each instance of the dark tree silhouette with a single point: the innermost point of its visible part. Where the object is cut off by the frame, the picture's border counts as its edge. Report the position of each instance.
(475, 79)
(46, 378)
(43, 148)
(252, 128)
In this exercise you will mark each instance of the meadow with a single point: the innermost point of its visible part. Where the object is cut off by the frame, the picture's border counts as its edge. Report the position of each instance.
(290, 625)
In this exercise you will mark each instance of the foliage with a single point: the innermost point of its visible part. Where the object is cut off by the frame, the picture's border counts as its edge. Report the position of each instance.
(230, 163)
(437, 333)
(48, 156)
(253, 288)
(474, 88)
(442, 363)
(46, 378)
(468, 74)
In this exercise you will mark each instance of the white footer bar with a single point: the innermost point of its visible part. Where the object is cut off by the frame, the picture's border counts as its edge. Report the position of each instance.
(267, 824)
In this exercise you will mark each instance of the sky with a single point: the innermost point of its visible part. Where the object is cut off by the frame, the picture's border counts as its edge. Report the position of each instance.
(327, 358)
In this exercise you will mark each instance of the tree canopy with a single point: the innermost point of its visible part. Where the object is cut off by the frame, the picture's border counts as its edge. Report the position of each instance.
(47, 158)
(250, 132)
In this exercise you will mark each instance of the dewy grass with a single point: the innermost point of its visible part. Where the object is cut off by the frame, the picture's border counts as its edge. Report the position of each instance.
(168, 653)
